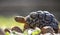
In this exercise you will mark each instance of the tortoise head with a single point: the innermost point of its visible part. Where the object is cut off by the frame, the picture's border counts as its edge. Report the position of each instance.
(20, 19)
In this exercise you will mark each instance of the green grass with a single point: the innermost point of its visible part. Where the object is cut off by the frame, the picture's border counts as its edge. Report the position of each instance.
(6, 22)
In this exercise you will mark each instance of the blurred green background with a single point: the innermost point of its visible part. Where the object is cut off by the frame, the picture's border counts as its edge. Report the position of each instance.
(9, 23)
